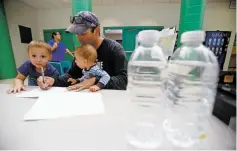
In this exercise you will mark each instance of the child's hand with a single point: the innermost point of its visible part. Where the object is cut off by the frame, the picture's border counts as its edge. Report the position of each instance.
(73, 81)
(16, 89)
(94, 88)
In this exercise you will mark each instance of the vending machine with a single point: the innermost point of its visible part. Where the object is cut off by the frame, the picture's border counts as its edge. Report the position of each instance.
(217, 41)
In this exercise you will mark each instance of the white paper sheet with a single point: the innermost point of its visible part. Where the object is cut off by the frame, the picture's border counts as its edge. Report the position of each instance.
(167, 43)
(37, 92)
(56, 105)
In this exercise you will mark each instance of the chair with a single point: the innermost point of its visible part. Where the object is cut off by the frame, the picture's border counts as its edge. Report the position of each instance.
(58, 66)
(62, 66)
(66, 65)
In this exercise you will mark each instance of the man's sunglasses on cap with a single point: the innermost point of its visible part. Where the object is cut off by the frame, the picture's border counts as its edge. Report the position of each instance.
(79, 20)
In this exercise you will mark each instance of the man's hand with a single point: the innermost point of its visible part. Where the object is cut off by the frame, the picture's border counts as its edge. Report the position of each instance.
(94, 88)
(87, 83)
(48, 82)
(73, 81)
(55, 45)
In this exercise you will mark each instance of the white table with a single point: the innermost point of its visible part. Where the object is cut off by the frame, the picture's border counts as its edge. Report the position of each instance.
(104, 131)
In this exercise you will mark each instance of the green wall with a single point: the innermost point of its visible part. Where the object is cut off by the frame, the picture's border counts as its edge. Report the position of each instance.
(7, 61)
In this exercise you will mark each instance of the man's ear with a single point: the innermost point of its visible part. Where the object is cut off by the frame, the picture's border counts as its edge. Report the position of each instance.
(97, 30)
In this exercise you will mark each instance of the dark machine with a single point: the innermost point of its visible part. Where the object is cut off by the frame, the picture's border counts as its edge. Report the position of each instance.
(225, 103)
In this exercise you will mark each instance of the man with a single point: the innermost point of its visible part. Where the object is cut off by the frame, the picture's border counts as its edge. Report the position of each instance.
(58, 48)
(111, 56)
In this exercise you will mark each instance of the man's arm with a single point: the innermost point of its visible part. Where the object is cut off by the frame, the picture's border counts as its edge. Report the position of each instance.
(69, 52)
(74, 72)
(119, 82)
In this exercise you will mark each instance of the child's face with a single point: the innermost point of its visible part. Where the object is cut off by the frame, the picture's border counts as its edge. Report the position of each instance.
(39, 57)
(81, 62)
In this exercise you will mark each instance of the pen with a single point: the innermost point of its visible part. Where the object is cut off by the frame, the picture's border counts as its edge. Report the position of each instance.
(42, 72)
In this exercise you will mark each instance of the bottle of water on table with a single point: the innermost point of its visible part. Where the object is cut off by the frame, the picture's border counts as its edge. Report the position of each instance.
(191, 89)
(146, 77)
(146, 69)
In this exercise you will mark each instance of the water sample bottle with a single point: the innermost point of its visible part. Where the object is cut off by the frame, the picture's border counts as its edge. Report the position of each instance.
(191, 89)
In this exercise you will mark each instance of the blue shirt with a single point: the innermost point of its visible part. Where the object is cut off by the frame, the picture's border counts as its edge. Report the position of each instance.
(28, 69)
(59, 53)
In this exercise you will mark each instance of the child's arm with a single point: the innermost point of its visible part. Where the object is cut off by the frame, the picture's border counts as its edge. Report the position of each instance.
(18, 84)
(23, 72)
(81, 79)
(103, 80)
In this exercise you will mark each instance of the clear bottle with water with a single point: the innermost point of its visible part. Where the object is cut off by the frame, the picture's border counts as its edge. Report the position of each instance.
(146, 76)
(146, 69)
(190, 93)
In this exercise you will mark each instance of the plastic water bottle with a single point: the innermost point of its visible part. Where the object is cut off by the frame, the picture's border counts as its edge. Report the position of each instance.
(146, 69)
(146, 77)
(191, 89)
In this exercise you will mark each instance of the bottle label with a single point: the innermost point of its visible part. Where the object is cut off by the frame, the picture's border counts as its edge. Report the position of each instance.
(178, 69)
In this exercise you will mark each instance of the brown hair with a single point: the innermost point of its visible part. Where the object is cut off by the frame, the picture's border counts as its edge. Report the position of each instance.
(87, 52)
(39, 44)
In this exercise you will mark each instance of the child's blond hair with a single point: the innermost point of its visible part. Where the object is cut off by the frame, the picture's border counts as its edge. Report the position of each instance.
(39, 44)
(87, 52)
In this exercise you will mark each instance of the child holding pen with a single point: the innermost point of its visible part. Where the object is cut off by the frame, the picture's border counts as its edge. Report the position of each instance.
(39, 55)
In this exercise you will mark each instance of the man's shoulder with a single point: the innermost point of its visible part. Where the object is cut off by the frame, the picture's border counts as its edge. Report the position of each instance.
(113, 45)
(51, 41)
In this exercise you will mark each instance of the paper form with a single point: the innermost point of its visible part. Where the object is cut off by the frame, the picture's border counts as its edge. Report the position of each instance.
(37, 92)
(55, 105)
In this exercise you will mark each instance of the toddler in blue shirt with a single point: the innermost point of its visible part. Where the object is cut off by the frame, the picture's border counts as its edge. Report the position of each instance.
(40, 54)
